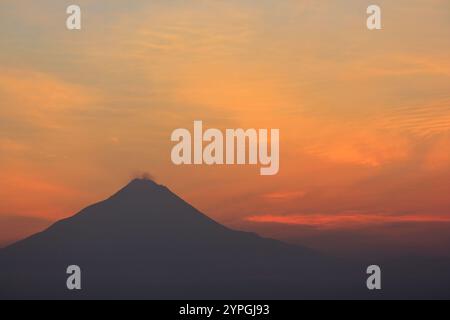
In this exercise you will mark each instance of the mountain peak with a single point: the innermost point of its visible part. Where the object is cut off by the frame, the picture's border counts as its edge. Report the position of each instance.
(141, 188)
(142, 182)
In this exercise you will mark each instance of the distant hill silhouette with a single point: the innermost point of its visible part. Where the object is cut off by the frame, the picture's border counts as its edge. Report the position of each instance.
(145, 242)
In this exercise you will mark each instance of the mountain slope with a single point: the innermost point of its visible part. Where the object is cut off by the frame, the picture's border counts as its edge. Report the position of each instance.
(145, 242)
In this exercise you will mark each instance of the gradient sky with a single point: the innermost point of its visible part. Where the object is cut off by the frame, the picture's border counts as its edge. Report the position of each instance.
(364, 116)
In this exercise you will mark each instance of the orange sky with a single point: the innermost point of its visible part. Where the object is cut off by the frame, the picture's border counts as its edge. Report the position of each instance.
(364, 116)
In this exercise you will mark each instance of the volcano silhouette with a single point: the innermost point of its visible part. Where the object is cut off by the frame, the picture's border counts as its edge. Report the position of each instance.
(145, 242)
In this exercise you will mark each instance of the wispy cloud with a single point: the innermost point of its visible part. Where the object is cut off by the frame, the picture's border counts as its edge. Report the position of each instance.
(41, 99)
(425, 119)
(284, 195)
(346, 220)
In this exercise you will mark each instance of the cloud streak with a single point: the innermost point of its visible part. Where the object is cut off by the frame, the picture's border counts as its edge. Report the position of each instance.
(346, 220)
